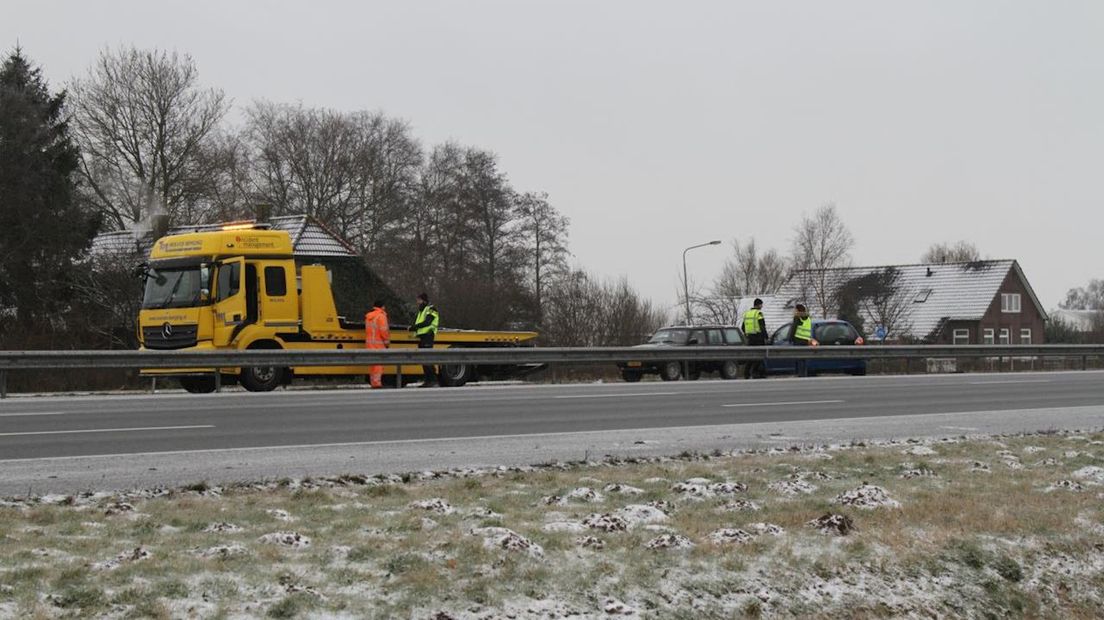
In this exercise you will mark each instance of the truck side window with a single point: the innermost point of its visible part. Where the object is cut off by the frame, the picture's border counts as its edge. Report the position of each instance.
(229, 281)
(275, 282)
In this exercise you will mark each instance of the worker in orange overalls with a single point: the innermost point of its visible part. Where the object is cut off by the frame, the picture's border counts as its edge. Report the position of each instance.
(377, 335)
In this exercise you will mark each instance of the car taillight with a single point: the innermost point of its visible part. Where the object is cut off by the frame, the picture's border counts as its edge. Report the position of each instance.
(859, 341)
(813, 342)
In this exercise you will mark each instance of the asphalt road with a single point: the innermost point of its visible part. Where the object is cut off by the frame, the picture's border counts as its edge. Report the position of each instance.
(52, 427)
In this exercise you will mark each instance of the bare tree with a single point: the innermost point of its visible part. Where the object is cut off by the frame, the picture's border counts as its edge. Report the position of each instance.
(583, 310)
(747, 272)
(544, 236)
(1089, 297)
(821, 242)
(957, 252)
(141, 120)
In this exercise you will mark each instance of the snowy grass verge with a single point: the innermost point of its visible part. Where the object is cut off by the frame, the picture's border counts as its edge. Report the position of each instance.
(970, 527)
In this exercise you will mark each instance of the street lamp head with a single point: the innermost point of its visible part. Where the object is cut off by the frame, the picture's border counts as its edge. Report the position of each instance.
(717, 242)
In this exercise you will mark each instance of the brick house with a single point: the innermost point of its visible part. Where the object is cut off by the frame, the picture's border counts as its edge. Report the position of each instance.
(978, 302)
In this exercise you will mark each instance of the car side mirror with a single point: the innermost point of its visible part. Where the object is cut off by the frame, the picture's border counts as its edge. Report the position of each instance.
(204, 295)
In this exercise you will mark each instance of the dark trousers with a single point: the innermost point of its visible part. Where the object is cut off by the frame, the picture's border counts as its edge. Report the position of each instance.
(429, 371)
(802, 365)
(755, 369)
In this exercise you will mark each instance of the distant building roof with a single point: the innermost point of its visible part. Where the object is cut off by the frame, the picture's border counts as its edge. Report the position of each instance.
(309, 237)
(936, 293)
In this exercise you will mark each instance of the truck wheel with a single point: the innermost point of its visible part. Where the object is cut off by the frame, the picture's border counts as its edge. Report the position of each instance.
(198, 385)
(670, 371)
(730, 370)
(264, 378)
(631, 376)
(454, 375)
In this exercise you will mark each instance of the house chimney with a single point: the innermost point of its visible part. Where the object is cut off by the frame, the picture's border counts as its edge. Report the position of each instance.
(930, 272)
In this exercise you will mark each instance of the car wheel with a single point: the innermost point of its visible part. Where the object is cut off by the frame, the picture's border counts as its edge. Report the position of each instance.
(631, 376)
(670, 371)
(198, 385)
(730, 370)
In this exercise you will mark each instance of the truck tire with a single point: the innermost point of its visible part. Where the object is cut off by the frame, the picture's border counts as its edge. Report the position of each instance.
(204, 384)
(670, 371)
(266, 378)
(454, 375)
(631, 376)
(730, 370)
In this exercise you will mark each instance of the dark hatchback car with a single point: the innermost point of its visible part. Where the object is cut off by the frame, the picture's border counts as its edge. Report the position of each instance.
(826, 332)
(680, 336)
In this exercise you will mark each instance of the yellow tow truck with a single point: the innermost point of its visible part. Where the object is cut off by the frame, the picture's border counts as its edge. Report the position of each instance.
(240, 286)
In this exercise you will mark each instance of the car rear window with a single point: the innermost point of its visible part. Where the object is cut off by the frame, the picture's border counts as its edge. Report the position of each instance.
(835, 333)
(733, 336)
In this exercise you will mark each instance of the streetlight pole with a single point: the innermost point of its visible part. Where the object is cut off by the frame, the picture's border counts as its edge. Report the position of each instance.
(685, 278)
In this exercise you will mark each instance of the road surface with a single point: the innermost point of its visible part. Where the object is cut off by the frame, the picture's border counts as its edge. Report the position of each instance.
(109, 441)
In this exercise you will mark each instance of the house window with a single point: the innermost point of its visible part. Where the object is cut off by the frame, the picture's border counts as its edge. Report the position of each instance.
(1005, 336)
(1010, 302)
(1025, 336)
(922, 296)
(988, 336)
(961, 336)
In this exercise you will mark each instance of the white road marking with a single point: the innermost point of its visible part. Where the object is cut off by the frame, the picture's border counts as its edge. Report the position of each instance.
(110, 430)
(792, 402)
(619, 395)
(34, 413)
(1009, 382)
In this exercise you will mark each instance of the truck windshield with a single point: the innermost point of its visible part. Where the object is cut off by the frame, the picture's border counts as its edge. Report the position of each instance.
(177, 287)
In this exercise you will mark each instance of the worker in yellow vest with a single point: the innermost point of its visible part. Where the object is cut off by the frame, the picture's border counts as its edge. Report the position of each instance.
(801, 335)
(425, 328)
(377, 335)
(755, 332)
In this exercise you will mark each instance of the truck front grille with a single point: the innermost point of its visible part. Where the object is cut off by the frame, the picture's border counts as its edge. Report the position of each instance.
(170, 336)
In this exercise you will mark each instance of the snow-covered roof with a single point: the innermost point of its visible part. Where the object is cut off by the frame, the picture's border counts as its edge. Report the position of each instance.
(935, 293)
(309, 237)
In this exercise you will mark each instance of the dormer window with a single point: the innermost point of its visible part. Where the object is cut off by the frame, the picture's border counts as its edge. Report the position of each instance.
(922, 295)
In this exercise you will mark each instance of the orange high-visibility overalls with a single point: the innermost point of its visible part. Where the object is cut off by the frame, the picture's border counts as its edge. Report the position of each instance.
(377, 335)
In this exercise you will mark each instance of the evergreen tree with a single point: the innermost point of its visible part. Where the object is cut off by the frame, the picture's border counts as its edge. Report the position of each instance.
(43, 229)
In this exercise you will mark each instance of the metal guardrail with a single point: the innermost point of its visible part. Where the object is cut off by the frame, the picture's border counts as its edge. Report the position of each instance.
(44, 360)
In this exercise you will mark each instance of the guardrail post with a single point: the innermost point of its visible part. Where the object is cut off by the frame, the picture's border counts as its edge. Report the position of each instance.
(3, 384)
(398, 377)
(218, 381)
(1084, 362)
(153, 385)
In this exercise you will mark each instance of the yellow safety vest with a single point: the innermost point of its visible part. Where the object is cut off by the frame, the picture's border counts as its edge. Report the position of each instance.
(428, 310)
(804, 329)
(751, 321)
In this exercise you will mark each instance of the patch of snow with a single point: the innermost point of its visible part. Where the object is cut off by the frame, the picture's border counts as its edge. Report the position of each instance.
(294, 540)
(279, 515)
(136, 554)
(692, 490)
(1033, 449)
(435, 505)
(729, 535)
(1091, 473)
(564, 526)
(866, 496)
(1065, 485)
(909, 474)
(740, 505)
(791, 487)
(669, 541)
(622, 489)
(920, 451)
(639, 514)
(507, 539)
(224, 551)
(766, 528)
(606, 522)
(222, 527)
(614, 607)
(980, 467)
(833, 524)
(590, 542)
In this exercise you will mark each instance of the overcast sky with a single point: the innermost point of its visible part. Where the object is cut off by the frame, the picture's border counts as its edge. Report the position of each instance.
(655, 126)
